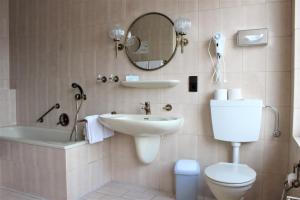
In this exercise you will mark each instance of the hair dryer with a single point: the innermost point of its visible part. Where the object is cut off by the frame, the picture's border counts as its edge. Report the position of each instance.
(219, 42)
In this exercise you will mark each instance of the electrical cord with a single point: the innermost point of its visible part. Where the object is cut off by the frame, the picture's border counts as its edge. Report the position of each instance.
(216, 76)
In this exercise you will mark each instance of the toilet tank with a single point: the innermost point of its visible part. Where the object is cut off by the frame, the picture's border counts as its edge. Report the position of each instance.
(236, 120)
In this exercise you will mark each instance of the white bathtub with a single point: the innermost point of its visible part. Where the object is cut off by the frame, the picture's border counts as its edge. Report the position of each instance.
(39, 136)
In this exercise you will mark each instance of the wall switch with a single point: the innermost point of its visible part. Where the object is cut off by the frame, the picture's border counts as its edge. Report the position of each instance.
(193, 83)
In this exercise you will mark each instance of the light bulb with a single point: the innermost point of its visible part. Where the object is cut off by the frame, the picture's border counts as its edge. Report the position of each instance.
(117, 33)
(182, 25)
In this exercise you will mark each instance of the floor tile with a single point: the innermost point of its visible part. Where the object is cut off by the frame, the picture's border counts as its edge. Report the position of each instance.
(123, 191)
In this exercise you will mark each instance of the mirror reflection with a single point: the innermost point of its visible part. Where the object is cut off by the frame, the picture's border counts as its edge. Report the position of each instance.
(151, 41)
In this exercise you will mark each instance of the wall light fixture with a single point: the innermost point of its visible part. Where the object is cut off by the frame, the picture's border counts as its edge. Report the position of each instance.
(117, 33)
(182, 27)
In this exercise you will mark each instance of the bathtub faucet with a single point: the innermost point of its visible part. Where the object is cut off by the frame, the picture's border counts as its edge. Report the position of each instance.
(79, 98)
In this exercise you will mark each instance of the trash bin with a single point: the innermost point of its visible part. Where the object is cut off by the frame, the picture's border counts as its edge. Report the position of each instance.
(187, 178)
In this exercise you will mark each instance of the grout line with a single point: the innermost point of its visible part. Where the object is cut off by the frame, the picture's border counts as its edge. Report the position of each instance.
(27, 195)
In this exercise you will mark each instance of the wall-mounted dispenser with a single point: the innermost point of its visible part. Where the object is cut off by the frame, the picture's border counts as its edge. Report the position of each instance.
(252, 37)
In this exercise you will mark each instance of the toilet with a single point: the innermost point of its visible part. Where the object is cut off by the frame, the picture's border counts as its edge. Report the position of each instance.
(234, 121)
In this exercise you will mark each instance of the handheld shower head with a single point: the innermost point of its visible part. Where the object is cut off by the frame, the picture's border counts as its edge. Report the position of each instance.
(81, 95)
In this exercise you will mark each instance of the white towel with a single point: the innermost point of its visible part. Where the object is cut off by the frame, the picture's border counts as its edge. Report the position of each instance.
(96, 132)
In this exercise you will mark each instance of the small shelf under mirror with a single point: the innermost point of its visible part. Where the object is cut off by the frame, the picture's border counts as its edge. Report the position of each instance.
(150, 84)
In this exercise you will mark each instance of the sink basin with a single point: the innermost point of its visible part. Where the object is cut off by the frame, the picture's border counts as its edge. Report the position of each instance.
(146, 130)
(141, 125)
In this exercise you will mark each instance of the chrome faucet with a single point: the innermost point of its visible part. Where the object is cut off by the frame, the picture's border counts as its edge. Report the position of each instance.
(147, 108)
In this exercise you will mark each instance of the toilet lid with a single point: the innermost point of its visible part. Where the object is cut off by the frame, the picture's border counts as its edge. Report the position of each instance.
(230, 173)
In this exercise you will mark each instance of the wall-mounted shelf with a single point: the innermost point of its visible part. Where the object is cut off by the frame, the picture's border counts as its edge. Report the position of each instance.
(150, 84)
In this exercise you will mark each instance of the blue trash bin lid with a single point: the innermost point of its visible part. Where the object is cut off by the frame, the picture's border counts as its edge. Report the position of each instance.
(187, 167)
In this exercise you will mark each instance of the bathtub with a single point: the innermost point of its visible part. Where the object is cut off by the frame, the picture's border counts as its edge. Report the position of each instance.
(39, 136)
(44, 163)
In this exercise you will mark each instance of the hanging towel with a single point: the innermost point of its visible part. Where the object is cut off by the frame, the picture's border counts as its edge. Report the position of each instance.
(96, 132)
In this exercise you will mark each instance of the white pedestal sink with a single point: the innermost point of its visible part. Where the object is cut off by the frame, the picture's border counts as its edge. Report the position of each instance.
(146, 130)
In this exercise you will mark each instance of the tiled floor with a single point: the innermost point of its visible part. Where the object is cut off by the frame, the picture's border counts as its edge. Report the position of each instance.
(121, 191)
(9, 195)
(110, 191)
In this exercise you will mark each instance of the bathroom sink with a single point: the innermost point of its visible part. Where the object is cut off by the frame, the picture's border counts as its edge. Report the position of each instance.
(146, 130)
(141, 125)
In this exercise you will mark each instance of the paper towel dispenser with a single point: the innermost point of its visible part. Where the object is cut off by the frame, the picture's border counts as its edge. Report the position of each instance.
(252, 37)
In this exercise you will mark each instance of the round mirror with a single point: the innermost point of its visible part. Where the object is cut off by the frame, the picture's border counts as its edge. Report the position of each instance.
(151, 41)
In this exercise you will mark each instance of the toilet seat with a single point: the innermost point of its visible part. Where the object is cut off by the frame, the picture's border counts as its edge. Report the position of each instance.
(230, 174)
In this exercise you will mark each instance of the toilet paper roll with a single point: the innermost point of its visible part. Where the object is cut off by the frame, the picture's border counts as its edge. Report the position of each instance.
(290, 178)
(220, 94)
(235, 94)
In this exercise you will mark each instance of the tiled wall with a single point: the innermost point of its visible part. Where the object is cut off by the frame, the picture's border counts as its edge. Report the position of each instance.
(57, 42)
(55, 174)
(295, 128)
(7, 96)
(88, 168)
(40, 171)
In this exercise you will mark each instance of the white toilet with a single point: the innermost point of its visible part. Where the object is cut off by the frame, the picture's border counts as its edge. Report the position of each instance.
(234, 121)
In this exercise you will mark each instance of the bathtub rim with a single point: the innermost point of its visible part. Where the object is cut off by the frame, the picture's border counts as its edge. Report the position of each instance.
(56, 145)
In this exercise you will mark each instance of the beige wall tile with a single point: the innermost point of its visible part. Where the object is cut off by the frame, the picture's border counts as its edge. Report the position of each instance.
(296, 48)
(230, 3)
(296, 125)
(296, 88)
(211, 20)
(234, 57)
(208, 4)
(280, 18)
(252, 156)
(188, 5)
(277, 80)
(69, 43)
(256, 190)
(7, 105)
(94, 152)
(279, 54)
(255, 59)
(207, 150)
(274, 159)
(271, 186)
(168, 149)
(296, 13)
(76, 157)
(187, 146)
(232, 20)
(224, 150)
(166, 177)
(249, 2)
(254, 85)
(255, 15)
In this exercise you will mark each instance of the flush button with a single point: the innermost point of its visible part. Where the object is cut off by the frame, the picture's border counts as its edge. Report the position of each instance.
(193, 83)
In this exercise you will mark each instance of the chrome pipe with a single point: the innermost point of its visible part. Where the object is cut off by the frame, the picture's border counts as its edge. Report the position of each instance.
(276, 131)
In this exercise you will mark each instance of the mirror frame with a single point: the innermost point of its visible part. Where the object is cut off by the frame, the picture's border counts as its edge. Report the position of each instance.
(131, 25)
